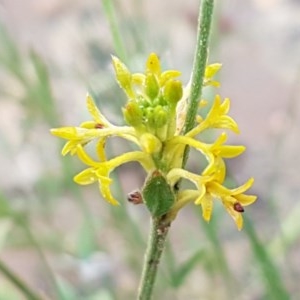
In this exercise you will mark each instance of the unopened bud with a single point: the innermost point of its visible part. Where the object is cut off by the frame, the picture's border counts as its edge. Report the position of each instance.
(160, 116)
(151, 86)
(153, 64)
(173, 91)
(123, 76)
(133, 114)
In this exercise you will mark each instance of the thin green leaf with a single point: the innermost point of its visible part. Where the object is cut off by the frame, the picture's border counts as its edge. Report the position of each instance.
(273, 283)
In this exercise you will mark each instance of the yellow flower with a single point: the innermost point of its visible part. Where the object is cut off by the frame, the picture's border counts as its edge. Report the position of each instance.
(99, 171)
(216, 118)
(210, 72)
(210, 188)
(233, 200)
(155, 113)
(100, 129)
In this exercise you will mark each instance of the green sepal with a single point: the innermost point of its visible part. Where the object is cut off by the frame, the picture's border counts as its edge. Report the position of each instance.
(158, 195)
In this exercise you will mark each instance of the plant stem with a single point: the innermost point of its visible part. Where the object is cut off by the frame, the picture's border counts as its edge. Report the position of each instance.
(47, 268)
(20, 284)
(158, 234)
(159, 229)
(199, 64)
(109, 11)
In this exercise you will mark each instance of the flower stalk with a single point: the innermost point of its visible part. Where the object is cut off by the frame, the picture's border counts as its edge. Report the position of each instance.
(157, 238)
(200, 60)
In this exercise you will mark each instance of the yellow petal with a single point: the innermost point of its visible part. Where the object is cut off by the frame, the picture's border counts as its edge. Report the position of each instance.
(95, 112)
(89, 124)
(201, 195)
(153, 64)
(70, 146)
(212, 69)
(123, 76)
(214, 111)
(218, 189)
(231, 151)
(222, 138)
(100, 148)
(226, 122)
(245, 199)
(202, 103)
(85, 158)
(167, 75)
(225, 106)
(76, 133)
(104, 186)
(68, 133)
(207, 207)
(237, 217)
(138, 78)
(87, 176)
(241, 189)
(213, 83)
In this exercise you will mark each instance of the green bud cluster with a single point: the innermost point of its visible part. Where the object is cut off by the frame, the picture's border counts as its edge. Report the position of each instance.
(152, 97)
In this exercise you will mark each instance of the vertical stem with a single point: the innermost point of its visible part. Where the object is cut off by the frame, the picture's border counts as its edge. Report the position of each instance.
(47, 268)
(199, 64)
(20, 284)
(158, 234)
(117, 39)
(200, 59)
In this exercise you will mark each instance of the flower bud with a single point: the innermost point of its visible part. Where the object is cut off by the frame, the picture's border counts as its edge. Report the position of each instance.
(133, 114)
(151, 86)
(123, 76)
(153, 64)
(160, 116)
(173, 91)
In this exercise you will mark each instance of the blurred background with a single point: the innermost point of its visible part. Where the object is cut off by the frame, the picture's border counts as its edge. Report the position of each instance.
(67, 243)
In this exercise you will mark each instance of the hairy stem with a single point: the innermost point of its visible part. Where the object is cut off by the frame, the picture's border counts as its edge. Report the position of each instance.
(158, 234)
(199, 64)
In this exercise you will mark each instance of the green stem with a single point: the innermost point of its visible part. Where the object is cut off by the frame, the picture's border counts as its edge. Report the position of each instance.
(20, 284)
(158, 234)
(43, 260)
(117, 39)
(200, 59)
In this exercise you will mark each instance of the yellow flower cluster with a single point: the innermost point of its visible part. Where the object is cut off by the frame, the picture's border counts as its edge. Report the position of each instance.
(154, 115)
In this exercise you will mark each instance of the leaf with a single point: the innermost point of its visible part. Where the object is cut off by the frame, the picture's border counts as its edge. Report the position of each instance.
(86, 244)
(275, 287)
(158, 195)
